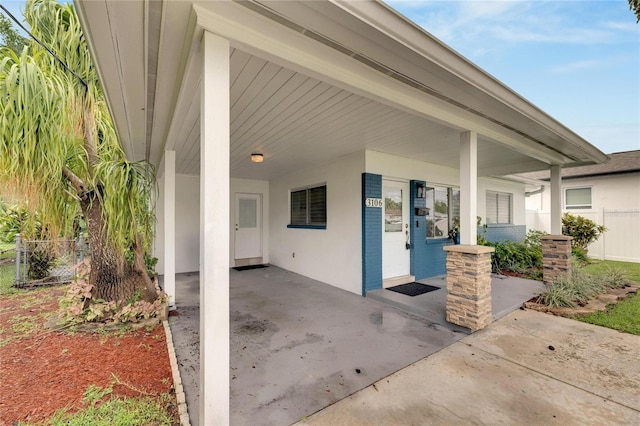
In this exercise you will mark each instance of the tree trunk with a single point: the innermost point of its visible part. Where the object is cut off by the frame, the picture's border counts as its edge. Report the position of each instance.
(113, 279)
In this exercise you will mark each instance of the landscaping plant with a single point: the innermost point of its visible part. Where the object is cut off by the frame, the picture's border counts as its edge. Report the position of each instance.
(522, 258)
(584, 232)
(60, 157)
(580, 287)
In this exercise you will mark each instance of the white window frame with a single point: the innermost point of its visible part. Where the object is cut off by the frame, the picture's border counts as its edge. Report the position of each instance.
(497, 218)
(578, 206)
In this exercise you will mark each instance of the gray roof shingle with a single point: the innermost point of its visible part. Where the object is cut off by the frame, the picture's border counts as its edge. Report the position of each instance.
(620, 162)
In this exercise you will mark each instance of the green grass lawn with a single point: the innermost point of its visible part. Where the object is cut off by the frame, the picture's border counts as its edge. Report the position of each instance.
(625, 315)
(597, 267)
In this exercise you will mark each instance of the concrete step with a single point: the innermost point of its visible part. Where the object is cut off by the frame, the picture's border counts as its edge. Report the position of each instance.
(404, 279)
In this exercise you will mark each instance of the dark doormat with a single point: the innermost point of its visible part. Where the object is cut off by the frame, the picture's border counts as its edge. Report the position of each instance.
(246, 268)
(413, 289)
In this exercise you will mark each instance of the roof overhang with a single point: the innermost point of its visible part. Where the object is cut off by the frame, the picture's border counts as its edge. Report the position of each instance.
(148, 59)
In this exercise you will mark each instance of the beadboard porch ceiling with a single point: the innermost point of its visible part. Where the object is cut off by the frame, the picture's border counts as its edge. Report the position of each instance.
(147, 56)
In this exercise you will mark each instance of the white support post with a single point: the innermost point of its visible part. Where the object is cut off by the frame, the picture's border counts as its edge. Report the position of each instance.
(169, 196)
(468, 188)
(556, 201)
(214, 231)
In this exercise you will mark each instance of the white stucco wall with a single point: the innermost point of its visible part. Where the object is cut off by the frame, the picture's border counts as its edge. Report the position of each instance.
(188, 220)
(332, 255)
(187, 224)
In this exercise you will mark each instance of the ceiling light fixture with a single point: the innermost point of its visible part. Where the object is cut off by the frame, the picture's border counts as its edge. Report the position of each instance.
(257, 158)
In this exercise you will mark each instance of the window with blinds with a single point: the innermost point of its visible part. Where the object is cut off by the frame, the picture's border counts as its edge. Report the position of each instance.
(577, 198)
(309, 206)
(498, 207)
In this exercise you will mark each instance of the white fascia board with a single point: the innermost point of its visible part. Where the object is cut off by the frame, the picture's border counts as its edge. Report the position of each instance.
(520, 179)
(264, 38)
(393, 24)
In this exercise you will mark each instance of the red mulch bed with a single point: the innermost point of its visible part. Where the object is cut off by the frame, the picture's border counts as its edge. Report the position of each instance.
(42, 371)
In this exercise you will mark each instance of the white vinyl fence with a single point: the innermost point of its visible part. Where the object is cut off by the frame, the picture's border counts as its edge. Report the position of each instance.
(620, 242)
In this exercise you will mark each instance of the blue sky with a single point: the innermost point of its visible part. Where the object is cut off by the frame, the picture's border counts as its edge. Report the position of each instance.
(579, 61)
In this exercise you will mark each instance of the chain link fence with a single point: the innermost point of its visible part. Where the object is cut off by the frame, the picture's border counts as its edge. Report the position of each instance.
(47, 262)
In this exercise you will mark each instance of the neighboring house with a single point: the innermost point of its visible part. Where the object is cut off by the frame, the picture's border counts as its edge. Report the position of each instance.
(368, 135)
(608, 194)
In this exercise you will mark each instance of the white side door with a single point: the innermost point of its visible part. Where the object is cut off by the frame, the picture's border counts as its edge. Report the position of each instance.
(396, 260)
(248, 226)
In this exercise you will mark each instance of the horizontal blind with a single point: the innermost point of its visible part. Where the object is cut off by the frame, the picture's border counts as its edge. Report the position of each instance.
(492, 207)
(504, 208)
(318, 205)
(299, 207)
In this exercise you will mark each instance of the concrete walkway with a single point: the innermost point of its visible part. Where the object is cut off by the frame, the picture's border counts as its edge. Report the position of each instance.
(528, 368)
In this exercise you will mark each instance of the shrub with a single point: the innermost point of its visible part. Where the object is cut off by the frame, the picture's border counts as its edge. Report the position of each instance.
(522, 258)
(583, 286)
(79, 306)
(557, 296)
(40, 264)
(12, 223)
(534, 239)
(615, 278)
(567, 291)
(579, 256)
(584, 231)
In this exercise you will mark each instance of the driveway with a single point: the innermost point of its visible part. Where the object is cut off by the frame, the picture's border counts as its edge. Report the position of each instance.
(299, 345)
(528, 368)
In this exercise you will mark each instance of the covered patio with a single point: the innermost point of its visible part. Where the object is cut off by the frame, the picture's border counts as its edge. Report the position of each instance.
(298, 345)
(347, 98)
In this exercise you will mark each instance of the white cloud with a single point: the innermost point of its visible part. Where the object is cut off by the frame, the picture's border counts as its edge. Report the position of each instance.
(509, 21)
(575, 66)
(622, 26)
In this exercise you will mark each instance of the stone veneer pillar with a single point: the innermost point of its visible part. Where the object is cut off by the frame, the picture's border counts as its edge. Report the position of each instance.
(469, 285)
(556, 257)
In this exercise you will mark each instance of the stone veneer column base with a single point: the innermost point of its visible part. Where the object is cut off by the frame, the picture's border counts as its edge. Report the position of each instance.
(469, 285)
(556, 257)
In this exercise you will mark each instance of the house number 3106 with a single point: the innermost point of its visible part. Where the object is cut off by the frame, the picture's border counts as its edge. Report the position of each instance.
(373, 202)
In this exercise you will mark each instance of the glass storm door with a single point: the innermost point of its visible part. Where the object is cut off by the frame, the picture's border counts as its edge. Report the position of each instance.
(395, 229)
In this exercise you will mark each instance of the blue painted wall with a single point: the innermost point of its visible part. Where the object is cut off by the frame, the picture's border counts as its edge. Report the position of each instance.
(499, 233)
(371, 234)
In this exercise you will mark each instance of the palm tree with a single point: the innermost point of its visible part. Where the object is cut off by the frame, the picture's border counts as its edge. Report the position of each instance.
(60, 156)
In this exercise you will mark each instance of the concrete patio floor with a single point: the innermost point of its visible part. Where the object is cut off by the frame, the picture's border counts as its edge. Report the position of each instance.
(299, 345)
